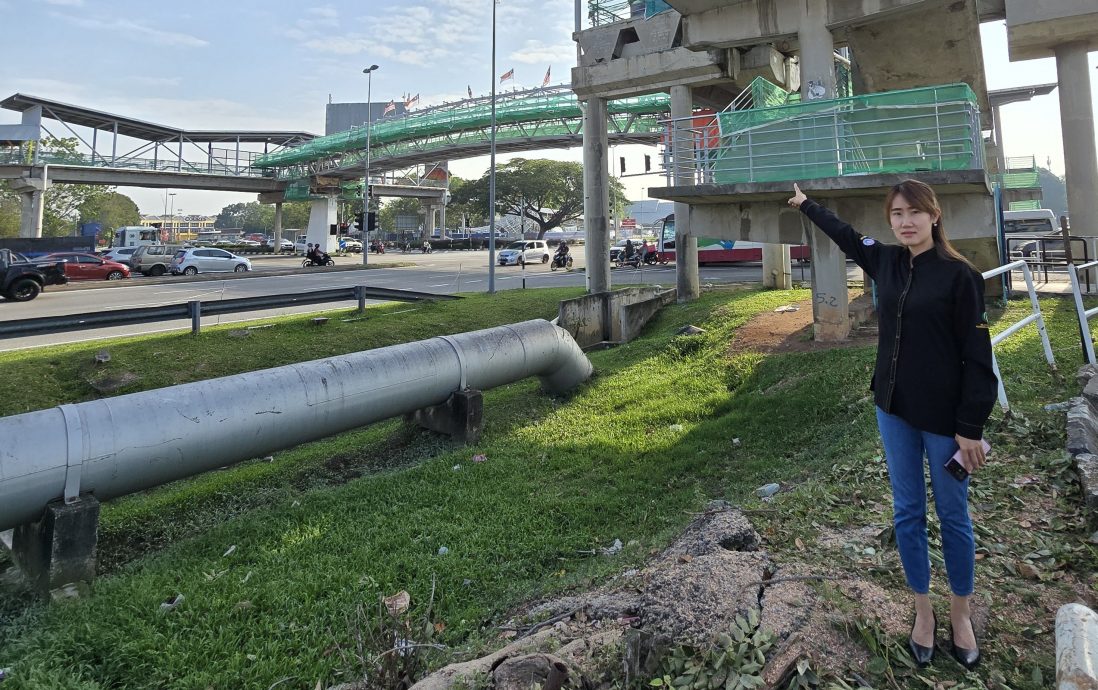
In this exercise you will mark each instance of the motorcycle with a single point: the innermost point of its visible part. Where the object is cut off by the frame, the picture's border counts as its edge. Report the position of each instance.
(631, 261)
(653, 257)
(561, 261)
(326, 261)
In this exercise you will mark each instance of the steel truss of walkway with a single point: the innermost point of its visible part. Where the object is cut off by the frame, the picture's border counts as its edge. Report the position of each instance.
(166, 145)
(526, 120)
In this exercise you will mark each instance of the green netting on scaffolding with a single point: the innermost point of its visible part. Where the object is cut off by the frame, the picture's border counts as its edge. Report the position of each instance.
(1019, 180)
(299, 191)
(930, 128)
(443, 122)
(1032, 205)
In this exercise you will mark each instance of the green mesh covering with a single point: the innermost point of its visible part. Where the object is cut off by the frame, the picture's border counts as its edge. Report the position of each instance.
(549, 108)
(931, 128)
(1033, 205)
(1019, 180)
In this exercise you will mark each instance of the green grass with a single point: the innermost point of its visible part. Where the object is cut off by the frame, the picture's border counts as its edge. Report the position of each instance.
(331, 525)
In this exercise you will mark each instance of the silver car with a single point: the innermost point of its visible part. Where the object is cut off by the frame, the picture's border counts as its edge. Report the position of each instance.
(207, 260)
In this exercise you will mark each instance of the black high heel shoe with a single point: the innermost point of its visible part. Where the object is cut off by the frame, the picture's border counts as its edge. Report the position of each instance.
(922, 655)
(969, 658)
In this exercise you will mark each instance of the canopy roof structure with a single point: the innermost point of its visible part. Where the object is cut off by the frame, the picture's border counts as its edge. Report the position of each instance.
(147, 131)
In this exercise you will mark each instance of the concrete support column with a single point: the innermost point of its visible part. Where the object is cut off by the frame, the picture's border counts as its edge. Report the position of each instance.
(429, 221)
(30, 220)
(596, 195)
(777, 273)
(59, 549)
(277, 232)
(1077, 123)
(322, 215)
(682, 150)
(442, 216)
(830, 301)
(817, 52)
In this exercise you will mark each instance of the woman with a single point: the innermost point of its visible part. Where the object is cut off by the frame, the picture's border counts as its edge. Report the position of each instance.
(934, 388)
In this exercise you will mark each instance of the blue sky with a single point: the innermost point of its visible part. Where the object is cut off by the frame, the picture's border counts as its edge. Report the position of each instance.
(274, 64)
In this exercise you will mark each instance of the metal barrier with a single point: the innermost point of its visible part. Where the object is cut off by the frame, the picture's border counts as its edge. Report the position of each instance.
(1034, 317)
(196, 309)
(1083, 313)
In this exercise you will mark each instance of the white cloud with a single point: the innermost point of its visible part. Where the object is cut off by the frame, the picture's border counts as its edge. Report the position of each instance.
(65, 3)
(535, 52)
(127, 27)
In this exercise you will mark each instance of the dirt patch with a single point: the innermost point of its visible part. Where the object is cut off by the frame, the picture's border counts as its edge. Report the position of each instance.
(791, 331)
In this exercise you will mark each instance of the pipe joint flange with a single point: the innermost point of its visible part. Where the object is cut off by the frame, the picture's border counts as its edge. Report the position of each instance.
(74, 454)
(462, 366)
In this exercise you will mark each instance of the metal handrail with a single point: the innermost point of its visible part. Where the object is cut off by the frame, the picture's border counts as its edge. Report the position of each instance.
(196, 309)
(826, 137)
(1083, 313)
(1034, 317)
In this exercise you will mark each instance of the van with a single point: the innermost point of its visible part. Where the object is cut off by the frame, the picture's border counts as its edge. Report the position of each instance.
(154, 260)
(1041, 221)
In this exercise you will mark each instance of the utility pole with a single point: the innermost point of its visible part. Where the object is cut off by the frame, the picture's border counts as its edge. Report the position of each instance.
(369, 72)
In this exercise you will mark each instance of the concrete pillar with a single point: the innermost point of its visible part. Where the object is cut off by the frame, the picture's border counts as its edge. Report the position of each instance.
(830, 301)
(596, 195)
(686, 243)
(322, 215)
(429, 221)
(777, 273)
(817, 52)
(59, 549)
(1077, 123)
(277, 232)
(442, 216)
(30, 220)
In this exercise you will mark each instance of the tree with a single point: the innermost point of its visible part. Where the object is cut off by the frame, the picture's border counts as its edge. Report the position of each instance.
(61, 202)
(111, 209)
(550, 193)
(386, 217)
(256, 217)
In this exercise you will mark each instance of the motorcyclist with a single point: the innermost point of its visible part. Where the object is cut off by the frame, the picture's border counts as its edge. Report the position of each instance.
(561, 258)
(311, 253)
(645, 249)
(629, 249)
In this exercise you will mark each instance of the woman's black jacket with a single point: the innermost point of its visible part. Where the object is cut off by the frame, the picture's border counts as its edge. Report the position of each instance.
(934, 350)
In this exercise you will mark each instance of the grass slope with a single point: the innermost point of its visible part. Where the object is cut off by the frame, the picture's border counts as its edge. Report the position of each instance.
(326, 528)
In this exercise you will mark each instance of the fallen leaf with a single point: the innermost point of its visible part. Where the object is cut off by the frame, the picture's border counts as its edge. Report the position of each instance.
(1028, 571)
(229, 551)
(440, 626)
(685, 558)
(799, 543)
(508, 634)
(479, 457)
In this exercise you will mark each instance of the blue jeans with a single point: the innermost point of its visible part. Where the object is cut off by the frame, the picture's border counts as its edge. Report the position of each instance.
(905, 447)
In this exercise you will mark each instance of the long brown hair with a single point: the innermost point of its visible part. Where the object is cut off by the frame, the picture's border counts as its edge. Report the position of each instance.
(922, 197)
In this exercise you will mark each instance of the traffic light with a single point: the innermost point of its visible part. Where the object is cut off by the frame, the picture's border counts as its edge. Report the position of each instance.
(647, 163)
(371, 221)
(359, 222)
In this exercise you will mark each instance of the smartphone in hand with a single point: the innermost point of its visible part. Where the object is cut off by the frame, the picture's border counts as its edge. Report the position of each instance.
(955, 467)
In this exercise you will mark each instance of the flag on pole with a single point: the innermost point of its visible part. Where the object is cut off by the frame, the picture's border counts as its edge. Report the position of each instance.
(409, 101)
(545, 81)
(509, 74)
(470, 89)
(389, 108)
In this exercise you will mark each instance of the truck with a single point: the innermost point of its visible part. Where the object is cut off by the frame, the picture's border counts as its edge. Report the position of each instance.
(135, 236)
(22, 280)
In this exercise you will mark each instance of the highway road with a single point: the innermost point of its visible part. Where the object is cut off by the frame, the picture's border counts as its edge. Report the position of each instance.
(439, 272)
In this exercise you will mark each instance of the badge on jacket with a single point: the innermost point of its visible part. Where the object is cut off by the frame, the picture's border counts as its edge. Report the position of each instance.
(868, 241)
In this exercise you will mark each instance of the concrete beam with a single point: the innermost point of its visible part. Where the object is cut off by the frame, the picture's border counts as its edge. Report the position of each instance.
(884, 57)
(648, 73)
(1034, 29)
(71, 174)
(719, 24)
(322, 215)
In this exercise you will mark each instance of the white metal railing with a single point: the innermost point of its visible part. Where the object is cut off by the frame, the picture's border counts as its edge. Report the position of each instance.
(835, 142)
(1034, 317)
(1083, 313)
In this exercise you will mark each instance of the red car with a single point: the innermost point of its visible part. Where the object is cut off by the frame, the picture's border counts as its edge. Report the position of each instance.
(79, 266)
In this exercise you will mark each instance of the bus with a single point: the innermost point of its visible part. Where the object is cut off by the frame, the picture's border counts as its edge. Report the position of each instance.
(713, 251)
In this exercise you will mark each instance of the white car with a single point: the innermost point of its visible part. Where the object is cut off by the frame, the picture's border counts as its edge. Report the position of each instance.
(120, 254)
(207, 260)
(524, 252)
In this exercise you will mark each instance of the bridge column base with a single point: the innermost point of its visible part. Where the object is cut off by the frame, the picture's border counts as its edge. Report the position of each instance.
(57, 553)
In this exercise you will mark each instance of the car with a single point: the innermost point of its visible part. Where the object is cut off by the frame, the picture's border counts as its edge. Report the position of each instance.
(349, 245)
(22, 280)
(154, 259)
(81, 266)
(247, 243)
(120, 254)
(524, 252)
(285, 246)
(207, 260)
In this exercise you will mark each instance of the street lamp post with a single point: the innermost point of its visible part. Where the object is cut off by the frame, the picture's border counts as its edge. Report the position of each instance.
(369, 72)
(492, 171)
(171, 216)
